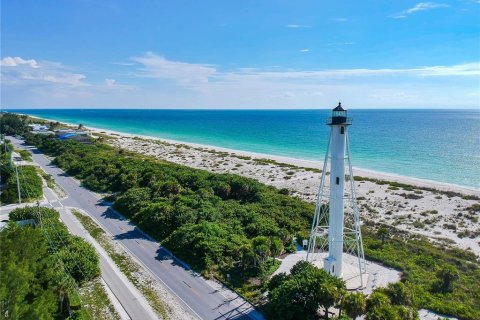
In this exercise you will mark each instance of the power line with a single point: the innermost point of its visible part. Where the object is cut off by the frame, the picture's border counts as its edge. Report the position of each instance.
(52, 247)
(76, 288)
(18, 185)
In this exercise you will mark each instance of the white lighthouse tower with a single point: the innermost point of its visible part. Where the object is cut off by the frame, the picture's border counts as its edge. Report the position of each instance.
(336, 225)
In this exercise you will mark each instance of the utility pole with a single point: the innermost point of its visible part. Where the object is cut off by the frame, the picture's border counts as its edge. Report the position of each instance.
(18, 186)
(11, 154)
(38, 210)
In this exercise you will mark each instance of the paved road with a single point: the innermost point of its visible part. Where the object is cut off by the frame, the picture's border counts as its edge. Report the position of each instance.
(128, 301)
(206, 299)
(131, 300)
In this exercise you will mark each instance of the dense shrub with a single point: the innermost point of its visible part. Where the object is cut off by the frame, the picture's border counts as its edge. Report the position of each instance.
(6, 169)
(300, 294)
(199, 215)
(27, 289)
(35, 213)
(78, 256)
(209, 245)
(42, 265)
(12, 124)
(30, 185)
(79, 259)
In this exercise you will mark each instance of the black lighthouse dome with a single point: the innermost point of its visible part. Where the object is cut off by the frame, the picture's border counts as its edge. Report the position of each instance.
(339, 116)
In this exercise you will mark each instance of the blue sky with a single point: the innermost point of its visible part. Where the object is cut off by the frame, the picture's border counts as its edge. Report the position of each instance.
(240, 54)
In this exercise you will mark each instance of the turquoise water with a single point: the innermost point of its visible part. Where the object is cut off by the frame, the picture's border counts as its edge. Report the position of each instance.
(439, 145)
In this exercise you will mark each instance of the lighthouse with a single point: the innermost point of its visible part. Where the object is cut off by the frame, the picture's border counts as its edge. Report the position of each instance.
(336, 226)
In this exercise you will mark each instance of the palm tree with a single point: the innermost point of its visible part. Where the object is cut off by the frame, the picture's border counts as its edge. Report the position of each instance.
(64, 284)
(383, 233)
(354, 304)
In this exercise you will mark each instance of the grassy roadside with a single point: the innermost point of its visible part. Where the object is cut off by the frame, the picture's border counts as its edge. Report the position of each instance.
(48, 178)
(129, 176)
(25, 154)
(96, 301)
(51, 183)
(130, 268)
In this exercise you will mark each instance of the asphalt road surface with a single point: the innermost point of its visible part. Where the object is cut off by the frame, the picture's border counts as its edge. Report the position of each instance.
(128, 301)
(132, 301)
(206, 300)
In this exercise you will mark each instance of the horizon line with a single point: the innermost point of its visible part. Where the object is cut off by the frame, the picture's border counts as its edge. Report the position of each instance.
(236, 109)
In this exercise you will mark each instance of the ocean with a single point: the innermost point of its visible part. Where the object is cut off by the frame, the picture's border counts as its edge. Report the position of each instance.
(438, 145)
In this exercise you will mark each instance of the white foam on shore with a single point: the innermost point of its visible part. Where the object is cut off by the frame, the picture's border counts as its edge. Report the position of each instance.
(425, 183)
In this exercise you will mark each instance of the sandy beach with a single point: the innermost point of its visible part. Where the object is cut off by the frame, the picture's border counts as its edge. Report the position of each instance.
(443, 212)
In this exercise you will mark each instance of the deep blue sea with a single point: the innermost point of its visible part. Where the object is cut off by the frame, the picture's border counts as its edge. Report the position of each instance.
(439, 145)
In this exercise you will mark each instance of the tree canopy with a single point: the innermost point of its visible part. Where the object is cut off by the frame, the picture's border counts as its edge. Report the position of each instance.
(168, 201)
(41, 269)
(302, 293)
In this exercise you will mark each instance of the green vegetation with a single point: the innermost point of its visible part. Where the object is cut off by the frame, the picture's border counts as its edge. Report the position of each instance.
(124, 263)
(30, 184)
(48, 179)
(6, 169)
(26, 155)
(209, 220)
(421, 263)
(407, 187)
(307, 289)
(224, 225)
(447, 275)
(393, 303)
(42, 268)
(300, 294)
(383, 233)
(12, 124)
(96, 301)
(354, 304)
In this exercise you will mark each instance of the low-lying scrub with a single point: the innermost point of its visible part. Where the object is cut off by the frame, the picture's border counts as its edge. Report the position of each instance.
(43, 268)
(226, 224)
(124, 263)
(30, 185)
(408, 187)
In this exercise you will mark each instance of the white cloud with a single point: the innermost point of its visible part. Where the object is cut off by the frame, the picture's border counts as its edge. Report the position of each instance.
(155, 66)
(17, 61)
(296, 26)
(339, 44)
(304, 50)
(20, 71)
(421, 6)
(110, 82)
(468, 69)
(160, 82)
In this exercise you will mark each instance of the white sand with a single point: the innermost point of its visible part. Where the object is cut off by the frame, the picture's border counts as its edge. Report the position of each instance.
(433, 214)
(381, 204)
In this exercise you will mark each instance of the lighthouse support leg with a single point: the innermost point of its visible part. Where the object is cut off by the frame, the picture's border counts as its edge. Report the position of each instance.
(317, 217)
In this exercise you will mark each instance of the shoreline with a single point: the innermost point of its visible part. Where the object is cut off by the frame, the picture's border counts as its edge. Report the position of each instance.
(444, 213)
(314, 164)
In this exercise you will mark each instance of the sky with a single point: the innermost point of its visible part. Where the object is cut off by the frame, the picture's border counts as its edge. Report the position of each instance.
(240, 54)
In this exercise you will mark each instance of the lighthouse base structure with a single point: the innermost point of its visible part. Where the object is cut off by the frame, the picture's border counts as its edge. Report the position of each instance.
(353, 279)
(375, 275)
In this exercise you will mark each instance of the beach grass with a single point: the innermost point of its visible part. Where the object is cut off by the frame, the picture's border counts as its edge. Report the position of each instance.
(415, 256)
